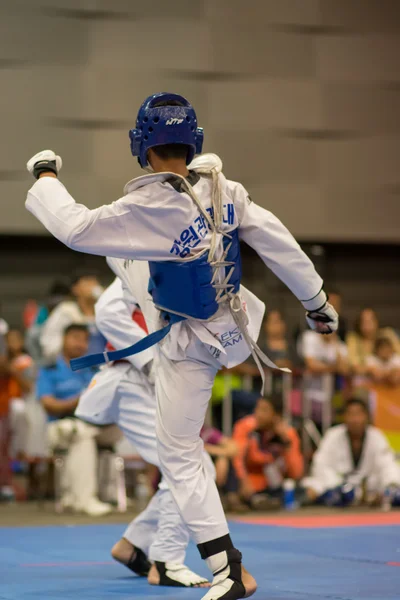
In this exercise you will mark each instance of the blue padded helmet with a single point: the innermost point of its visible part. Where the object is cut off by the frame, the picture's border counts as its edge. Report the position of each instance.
(160, 125)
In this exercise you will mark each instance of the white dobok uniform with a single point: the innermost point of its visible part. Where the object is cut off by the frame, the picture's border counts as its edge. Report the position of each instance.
(155, 222)
(121, 393)
(333, 463)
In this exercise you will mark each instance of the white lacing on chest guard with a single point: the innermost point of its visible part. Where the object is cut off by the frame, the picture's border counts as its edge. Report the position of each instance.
(220, 280)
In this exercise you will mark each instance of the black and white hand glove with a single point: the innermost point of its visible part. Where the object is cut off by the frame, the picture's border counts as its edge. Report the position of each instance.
(320, 315)
(44, 162)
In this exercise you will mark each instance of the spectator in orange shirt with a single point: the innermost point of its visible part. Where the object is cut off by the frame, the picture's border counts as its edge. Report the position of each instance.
(269, 451)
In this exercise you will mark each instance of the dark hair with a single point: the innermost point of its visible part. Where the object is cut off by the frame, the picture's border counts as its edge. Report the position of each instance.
(273, 310)
(81, 273)
(76, 327)
(275, 401)
(167, 103)
(167, 151)
(59, 287)
(382, 341)
(357, 402)
(357, 324)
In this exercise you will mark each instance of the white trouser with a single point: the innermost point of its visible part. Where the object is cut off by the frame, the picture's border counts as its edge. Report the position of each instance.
(130, 402)
(183, 390)
(79, 477)
(19, 426)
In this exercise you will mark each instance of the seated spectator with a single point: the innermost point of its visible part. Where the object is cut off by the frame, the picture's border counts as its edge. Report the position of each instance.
(58, 389)
(85, 289)
(352, 456)
(384, 365)
(361, 342)
(222, 449)
(269, 451)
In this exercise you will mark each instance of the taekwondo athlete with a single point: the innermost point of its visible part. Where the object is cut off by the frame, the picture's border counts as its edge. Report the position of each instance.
(186, 219)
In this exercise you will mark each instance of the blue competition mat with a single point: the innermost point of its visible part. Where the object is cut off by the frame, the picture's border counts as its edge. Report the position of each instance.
(343, 563)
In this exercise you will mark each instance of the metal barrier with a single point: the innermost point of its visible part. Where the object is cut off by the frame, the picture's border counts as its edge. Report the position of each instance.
(310, 433)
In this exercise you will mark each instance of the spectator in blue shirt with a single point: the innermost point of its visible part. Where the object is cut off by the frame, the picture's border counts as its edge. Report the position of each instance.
(58, 389)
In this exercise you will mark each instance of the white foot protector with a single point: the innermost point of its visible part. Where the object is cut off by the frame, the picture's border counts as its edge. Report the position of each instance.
(172, 574)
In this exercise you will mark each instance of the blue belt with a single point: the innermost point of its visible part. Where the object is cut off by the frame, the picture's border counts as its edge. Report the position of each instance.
(92, 360)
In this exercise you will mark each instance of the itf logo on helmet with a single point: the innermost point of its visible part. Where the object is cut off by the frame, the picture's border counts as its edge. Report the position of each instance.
(174, 121)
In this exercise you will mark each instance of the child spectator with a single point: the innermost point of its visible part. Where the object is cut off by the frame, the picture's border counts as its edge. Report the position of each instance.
(361, 342)
(383, 366)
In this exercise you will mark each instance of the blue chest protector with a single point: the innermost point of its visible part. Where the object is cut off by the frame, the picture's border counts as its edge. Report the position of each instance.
(180, 290)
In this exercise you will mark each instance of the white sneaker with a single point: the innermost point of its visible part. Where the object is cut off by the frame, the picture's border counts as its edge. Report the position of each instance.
(95, 508)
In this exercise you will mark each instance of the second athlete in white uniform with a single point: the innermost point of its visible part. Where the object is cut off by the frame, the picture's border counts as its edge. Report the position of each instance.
(186, 220)
(122, 393)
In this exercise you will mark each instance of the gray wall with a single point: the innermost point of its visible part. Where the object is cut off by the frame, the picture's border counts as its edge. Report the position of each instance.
(300, 98)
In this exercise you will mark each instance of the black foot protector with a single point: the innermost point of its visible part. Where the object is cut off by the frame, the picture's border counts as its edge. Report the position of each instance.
(172, 574)
(139, 563)
(225, 562)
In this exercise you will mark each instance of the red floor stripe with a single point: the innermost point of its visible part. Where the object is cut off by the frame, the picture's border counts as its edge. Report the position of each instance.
(321, 521)
(393, 564)
(68, 564)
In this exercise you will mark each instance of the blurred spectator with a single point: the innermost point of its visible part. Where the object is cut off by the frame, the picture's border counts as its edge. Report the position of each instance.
(58, 292)
(21, 365)
(269, 451)
(324, 353)
(384, 365)
(86, 289)
(324, 356)
(222, 449)
(58, 390)
(3, 332)
(353, 460)
(361, 342)
(16, 383)
(275, 343)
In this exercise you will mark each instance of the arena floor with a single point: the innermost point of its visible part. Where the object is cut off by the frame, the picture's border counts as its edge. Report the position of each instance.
(324, 555)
